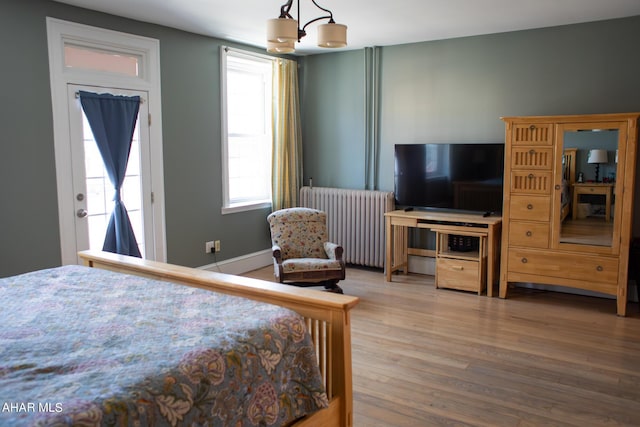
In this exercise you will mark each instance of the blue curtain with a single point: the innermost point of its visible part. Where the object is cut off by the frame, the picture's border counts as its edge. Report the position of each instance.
(113, 121)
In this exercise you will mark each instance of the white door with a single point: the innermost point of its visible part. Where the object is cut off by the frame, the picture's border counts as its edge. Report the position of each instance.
(92, 189)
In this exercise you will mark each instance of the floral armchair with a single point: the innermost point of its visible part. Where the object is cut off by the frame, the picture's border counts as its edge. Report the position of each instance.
(302, 256)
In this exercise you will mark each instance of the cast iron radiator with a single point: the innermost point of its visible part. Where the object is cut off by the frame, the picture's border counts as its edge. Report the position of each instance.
(355, 220)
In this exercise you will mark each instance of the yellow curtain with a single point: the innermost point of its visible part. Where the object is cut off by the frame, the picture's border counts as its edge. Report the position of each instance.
(287, 135)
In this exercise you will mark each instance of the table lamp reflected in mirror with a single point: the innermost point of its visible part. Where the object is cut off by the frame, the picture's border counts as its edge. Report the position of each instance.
(597, 157)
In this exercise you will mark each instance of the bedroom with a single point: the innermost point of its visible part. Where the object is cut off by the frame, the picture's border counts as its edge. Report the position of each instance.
(481, 78)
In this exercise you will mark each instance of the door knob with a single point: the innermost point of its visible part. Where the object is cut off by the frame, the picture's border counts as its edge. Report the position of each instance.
(81, 213)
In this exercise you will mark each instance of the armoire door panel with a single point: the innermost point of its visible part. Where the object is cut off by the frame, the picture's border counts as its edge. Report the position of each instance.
(536, 182)
(532, 134)
(532, 158)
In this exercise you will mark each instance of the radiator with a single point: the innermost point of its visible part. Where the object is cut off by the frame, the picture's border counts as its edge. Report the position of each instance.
(355, 220)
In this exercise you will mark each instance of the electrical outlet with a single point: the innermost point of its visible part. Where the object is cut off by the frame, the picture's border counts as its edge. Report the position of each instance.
(209, 247)
(217, 245)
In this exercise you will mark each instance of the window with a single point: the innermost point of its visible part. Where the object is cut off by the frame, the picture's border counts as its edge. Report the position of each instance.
(89, 58)
(246, 130)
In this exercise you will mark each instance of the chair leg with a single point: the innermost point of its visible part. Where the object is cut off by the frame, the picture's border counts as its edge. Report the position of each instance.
(329, 285)
(332, 286)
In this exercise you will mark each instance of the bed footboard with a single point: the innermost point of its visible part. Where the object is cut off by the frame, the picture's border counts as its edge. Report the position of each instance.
(327, 316)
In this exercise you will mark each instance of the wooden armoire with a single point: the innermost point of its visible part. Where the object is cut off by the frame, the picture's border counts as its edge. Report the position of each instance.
(568, 202)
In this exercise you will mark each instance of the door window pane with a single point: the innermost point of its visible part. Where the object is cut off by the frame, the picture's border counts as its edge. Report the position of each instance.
(100, 190)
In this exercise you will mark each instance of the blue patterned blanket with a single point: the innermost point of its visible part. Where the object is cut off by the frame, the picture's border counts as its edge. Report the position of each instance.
(83, 346)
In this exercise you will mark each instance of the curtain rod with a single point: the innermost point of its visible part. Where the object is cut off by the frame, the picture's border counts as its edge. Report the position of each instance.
(141, 98)
(248, 53)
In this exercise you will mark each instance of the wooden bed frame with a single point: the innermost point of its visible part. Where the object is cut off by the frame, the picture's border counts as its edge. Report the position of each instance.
(327, 316)
(569, 175)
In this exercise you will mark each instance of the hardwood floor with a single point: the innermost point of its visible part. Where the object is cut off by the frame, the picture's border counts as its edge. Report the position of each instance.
(431, 357)
(588, 231)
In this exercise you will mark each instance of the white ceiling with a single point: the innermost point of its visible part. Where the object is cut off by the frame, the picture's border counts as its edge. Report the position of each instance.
(370, 22)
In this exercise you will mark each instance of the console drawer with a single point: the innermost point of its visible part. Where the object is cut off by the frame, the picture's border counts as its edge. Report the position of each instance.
(562, 265)
(533, 208)
(459, 274)
(529, 234)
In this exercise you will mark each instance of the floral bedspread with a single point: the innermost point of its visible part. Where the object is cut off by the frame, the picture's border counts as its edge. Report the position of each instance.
(83, 346)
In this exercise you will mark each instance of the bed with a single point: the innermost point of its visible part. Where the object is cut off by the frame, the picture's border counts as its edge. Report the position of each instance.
(123, 341)
(568, 179)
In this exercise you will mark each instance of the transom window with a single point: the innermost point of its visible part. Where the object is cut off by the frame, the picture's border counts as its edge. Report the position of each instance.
(91, 58)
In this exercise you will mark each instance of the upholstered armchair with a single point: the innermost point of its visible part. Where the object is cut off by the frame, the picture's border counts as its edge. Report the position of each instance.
(302, 256)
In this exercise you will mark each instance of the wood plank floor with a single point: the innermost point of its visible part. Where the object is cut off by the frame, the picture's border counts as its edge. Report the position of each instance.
(432, 357)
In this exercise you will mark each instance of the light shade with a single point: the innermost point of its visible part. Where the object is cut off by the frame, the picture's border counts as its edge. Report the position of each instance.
(332, 35)
(282, 30)
(284, 47)
(597, 156)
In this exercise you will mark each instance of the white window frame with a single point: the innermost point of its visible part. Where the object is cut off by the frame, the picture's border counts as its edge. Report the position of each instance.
(60, 32)
(227, 206)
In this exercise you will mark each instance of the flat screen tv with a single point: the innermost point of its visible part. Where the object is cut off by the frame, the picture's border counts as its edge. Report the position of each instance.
(452, 177)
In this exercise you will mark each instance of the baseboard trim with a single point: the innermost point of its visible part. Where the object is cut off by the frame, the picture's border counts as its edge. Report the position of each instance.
(241, 264)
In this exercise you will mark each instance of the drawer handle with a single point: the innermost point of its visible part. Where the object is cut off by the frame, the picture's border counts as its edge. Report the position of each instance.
(531, 176)
(532, 151)
(599, 268)
(457, 267)
(532, 127)
(529, 233)
(524, 260)
(557, 187)
(529, 206)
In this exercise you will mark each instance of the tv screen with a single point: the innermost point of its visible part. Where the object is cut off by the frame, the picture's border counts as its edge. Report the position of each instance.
(462, 177)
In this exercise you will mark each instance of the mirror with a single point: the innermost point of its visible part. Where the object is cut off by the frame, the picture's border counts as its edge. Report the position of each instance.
(589, 170)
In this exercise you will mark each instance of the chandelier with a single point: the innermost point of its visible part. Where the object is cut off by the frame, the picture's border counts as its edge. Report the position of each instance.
(283, 31)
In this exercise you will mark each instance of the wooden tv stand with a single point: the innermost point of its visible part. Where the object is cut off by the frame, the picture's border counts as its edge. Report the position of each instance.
(459, 270)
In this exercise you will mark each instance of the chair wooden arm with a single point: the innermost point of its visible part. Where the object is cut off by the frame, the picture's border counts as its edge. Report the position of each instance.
(277, 253)
(333, 250)
(277, 263)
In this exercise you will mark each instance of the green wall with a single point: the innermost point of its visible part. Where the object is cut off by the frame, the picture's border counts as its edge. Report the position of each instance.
(333, 119)
(28, 212)
(29, 231)
(456, 90)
